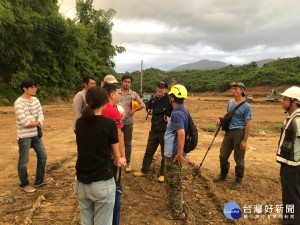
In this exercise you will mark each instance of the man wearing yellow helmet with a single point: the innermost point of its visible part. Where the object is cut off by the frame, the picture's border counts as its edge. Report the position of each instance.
(288, 155)
(174, 155)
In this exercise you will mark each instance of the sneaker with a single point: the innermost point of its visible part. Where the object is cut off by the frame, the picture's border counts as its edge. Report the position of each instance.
(180, 216)
(47, 180)
(128, 169)
(236, 184)
(28, 189)
(219, 179)
(161, 179)
(139, 174)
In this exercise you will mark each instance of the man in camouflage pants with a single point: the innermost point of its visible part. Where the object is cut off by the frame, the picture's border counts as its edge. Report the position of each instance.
(174, 155)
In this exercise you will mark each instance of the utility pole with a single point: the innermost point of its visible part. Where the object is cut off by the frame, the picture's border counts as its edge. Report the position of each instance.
(141, 89)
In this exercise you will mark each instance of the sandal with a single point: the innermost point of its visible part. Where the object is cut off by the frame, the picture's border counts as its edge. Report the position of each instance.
(179, 216)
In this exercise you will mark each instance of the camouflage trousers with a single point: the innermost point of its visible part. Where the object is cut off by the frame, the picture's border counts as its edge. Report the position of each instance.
(173, 183)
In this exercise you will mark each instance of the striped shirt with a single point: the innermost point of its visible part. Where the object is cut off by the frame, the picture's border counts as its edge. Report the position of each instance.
(23, 110)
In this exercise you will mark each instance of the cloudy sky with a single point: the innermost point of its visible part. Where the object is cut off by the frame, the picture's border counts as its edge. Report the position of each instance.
(168, 33)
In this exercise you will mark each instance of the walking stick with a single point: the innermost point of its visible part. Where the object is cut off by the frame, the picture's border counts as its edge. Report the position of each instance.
(198, 168)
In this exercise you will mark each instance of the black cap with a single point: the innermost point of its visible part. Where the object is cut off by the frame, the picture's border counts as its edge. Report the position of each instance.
(163, 84)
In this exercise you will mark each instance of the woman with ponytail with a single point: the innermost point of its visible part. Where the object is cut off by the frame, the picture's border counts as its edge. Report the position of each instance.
(97, 142)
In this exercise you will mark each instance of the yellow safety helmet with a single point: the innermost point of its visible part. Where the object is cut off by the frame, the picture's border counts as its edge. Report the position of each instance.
(134, 104)
(179, 91)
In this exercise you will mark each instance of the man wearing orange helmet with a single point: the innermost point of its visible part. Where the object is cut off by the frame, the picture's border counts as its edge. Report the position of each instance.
(126, 98)
(288, 155)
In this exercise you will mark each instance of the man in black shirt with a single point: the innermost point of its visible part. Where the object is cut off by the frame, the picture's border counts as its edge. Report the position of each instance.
(159, 107)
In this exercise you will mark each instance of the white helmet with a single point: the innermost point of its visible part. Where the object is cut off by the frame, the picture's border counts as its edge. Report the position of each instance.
(292, 92)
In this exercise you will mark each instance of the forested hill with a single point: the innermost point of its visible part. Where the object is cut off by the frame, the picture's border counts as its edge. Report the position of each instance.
(276, 73)
(37, 42)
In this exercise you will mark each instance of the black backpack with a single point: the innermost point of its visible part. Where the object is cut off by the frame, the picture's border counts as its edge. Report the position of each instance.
(191, 136)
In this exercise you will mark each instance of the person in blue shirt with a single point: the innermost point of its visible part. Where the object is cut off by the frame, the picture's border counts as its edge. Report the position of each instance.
(236, 138)
(174, 155)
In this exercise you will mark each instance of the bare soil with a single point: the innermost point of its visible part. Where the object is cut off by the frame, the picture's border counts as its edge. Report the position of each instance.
(144, 199)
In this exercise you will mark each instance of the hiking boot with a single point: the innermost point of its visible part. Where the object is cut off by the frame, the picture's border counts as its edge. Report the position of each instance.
(139, 174)
(161, 179)
(47, 180)
(128, 169)
(236, 184)
(28, 189)
(179, 216)
(219, 178)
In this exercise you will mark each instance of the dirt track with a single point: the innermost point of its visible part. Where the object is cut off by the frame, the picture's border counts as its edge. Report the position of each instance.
(143, 200)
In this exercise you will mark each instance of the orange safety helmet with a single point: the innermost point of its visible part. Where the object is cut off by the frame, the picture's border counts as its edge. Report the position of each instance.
(134, 104)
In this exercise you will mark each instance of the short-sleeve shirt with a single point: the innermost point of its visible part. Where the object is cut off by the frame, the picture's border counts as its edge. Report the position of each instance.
(177, 121)
(112, 113)
(125, 101)
(94, 138)
(240, 116)
(79, 103)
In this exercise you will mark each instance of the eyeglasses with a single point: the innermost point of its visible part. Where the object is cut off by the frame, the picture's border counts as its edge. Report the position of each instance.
(127, 81)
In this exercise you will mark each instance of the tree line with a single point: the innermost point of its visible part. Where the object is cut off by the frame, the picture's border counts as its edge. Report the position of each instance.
(276, 73)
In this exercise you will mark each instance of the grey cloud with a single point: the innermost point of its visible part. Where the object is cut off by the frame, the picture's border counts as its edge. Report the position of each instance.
(228, 25)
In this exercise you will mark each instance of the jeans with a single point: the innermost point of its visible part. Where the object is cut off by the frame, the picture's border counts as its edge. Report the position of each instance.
(24, 146)
(96, 201)
(127, 131)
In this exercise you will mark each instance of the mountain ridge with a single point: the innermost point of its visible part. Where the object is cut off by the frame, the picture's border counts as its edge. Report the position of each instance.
(206, 64)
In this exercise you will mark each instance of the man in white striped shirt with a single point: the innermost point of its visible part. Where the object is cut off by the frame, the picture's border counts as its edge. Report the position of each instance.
(29, 115)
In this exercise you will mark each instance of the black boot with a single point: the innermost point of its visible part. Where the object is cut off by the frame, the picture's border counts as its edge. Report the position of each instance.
(236, 184)
(239, 172)
(220, 178)
(223, 174)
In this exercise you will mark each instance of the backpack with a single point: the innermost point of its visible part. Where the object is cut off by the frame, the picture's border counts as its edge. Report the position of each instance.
(191, 136)
(225, 121)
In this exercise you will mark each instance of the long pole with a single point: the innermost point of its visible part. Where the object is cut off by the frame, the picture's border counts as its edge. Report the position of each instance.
(141, 89)
(198, 168)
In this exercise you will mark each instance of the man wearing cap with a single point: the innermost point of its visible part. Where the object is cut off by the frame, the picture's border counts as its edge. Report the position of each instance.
(159, 107)
(288, 155)
(236, 138)
(126, 98)
(79, 101)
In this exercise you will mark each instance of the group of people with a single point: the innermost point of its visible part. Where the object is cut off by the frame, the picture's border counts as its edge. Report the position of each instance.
(104, 125)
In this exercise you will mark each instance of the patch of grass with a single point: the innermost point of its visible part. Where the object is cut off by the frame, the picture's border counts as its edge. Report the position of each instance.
(210, 128)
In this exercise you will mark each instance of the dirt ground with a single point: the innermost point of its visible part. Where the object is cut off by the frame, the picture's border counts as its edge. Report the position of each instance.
(144, 199)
